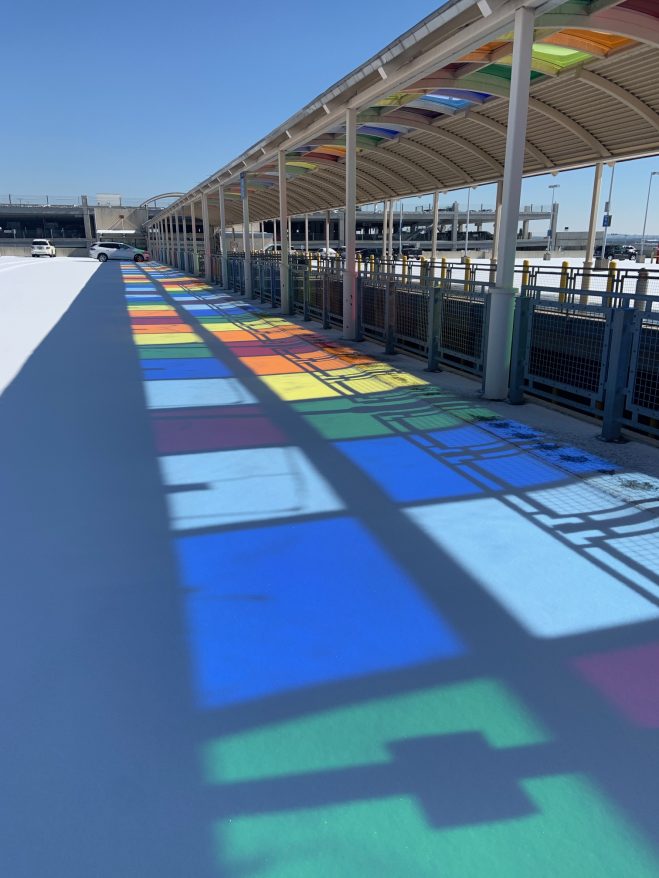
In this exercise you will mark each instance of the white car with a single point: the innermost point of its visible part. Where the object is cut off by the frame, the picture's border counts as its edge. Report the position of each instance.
(42, 247)
(324, 251)
(105, 250)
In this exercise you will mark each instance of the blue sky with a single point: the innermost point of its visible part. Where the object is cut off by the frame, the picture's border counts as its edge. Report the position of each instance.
(143, 98)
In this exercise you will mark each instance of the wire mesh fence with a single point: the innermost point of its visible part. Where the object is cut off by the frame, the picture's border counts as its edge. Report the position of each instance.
(642, 403)
(565, 348)
(462, 329)
(373, 301)
(411, 317)
(592, 350)
(600, 356)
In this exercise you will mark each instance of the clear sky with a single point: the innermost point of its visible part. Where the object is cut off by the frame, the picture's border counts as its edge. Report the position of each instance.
(139, 98)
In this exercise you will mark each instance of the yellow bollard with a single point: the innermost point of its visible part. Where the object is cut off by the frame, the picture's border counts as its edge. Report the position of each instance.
(564, 273)
(442, 273)
(404, 268)
(371, 264)
(467, 264)
(423, 268)
(359, 263)
(641, 288)
(525, 273)
(611, 280)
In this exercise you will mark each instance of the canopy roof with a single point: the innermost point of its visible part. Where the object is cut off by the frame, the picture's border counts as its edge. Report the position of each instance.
(433, 107)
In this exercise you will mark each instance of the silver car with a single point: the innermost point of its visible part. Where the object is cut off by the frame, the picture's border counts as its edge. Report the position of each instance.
(105, 250)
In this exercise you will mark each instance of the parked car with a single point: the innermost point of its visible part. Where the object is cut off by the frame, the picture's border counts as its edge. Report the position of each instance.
(323, 251)
(617, 251)
(104, 250)
(42, 247)
(271, 249)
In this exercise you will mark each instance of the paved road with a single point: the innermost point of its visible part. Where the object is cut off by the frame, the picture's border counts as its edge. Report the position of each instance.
(34, 293)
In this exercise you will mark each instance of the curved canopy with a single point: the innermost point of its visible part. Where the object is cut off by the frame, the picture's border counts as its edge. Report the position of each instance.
(433, 107)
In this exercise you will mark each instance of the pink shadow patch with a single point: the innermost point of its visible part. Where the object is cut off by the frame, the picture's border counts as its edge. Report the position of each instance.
(629, 678)
(214, 429)
(153, 321)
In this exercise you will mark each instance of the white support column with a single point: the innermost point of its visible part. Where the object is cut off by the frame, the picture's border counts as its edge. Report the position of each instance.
(435, 221)
(275, 239)
(350, 303)
(207, 237)
(456, 226)
(497, 219)
(223, 238)
(554, 224)
(193, 223)
(177, 234)
(500, 328)
(328, 225)
(385, 227)
(246, 241)
(390, 231)
(594, 211)
(170, 240)
(306, 233)
(284, 225)
(184, 239)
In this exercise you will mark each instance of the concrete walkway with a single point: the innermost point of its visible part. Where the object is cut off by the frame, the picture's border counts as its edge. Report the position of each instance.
(277, 606)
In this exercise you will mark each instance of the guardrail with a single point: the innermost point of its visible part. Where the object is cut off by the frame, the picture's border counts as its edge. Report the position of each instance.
(594, 351)
(599, 356)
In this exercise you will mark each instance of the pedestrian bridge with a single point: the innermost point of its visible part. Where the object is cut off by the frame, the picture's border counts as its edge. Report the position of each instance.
(480, 91)
(276, 604)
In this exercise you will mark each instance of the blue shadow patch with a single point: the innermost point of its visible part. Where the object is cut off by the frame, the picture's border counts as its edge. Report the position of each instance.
(406, 472)
(266, 617)
(197, 367)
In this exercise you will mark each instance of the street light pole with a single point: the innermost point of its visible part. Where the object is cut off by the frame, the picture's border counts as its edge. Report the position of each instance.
(400, 230)
(607, 209)
(645, 219)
